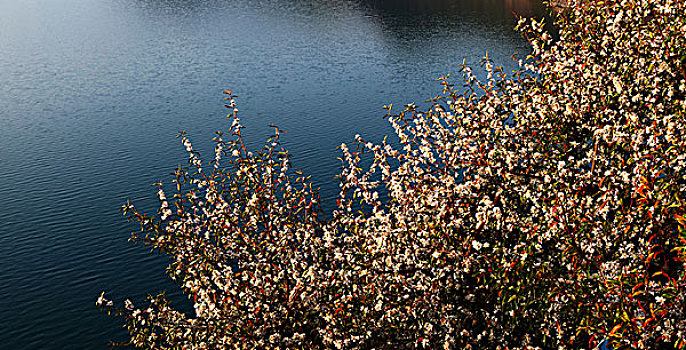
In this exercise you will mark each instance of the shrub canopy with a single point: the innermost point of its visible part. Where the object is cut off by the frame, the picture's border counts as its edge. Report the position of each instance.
(539, 208)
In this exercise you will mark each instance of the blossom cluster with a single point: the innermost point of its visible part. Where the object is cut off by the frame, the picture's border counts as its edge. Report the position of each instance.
(542, 208)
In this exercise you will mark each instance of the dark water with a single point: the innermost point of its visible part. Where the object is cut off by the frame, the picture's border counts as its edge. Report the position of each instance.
(92, 93)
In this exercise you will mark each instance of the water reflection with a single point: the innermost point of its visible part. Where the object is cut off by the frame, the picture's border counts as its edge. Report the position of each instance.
(490, 9)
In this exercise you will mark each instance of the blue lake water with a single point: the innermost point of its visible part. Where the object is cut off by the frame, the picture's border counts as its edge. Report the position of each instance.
(93, 92)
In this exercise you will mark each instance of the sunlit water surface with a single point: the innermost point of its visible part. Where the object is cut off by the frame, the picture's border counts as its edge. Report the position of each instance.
(93, 92)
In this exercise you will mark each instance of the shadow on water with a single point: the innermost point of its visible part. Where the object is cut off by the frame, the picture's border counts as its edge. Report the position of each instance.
(491, 10)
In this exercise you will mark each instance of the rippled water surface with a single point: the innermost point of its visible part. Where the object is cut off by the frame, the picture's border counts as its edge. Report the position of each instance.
(92, 93)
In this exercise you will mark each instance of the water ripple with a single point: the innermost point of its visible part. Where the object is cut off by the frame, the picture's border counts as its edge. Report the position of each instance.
(93, 93)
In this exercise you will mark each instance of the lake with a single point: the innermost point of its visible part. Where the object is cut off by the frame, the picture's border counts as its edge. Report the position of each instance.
(93, 93)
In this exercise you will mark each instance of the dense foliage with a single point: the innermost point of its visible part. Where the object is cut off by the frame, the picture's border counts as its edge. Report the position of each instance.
(543, 208)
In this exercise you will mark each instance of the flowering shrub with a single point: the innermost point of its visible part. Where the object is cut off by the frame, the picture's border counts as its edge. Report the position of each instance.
(543, 209)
